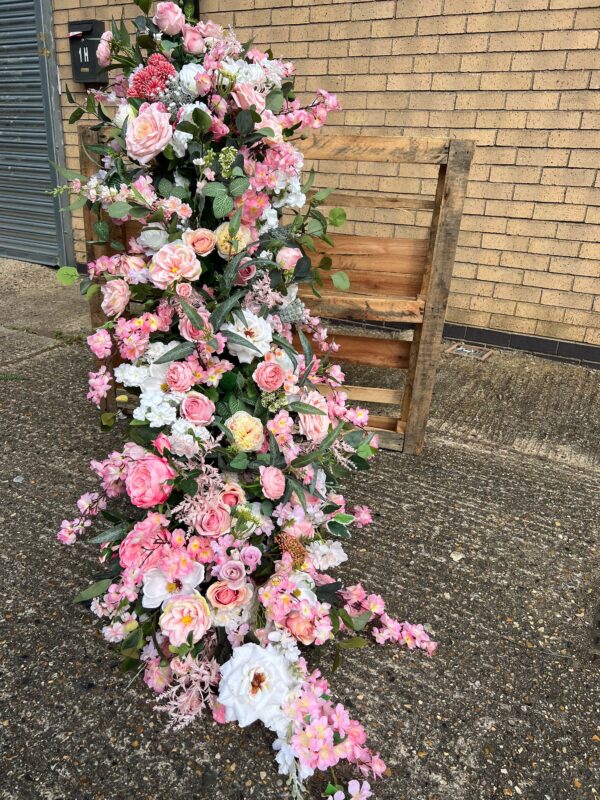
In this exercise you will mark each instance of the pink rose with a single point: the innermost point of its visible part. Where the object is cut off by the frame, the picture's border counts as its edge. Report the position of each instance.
(169, 18)
(183, 290)
(202, 240)
(193, 41)
(232, 495)
(185, 614)
(245, 273)
(162, 443)
(173, 262)
(215, 521)
(272, 481)
(301, 628)
(245, 95)
(100, 343)
(149, 133)
(180, 376)
(146, 481)
(197, 408)
(115, 296)
(288, 257)
(314, 426)
(269, 376)
(145, 542)
(251, 556)
(189, 332)
(233, 573)
(103, 49)
(221, 595)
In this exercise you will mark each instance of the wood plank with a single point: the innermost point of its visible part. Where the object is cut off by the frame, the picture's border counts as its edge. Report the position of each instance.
(390, 440)
(376, 201)
(425, 351)
(367, 351)
(342, 305)
(382, 149)
(366, 394)
(365, 282)
(401, 256)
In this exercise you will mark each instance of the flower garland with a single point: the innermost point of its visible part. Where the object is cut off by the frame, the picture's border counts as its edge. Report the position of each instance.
(218, 573)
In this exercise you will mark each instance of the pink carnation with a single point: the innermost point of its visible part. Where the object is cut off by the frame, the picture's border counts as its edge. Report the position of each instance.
(100, 343)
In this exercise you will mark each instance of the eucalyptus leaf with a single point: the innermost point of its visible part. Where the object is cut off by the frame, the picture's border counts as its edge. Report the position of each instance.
(181, 350)
(93, 590)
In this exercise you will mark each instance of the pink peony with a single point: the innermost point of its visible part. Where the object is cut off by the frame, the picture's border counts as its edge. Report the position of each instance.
(100, 343)
(173, 262)
(180, 376)
(146, 481)
(103, 49)
(272, 481)
(215, 521)
(197, 408)
(221, 595)
(149, 133)
(245, 95)
(169, 18)
(193, 41)
(202, 240)
(269, 376)
(288, 257)
(314, 426)
(115, 296)
(185, 615)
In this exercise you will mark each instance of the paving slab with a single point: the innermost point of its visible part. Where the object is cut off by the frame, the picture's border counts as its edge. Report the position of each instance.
(492, 543)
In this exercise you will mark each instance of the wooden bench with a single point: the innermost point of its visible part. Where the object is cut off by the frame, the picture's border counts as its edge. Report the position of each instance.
(395, 280)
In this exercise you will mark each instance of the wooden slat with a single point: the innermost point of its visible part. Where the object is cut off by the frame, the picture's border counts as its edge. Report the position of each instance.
(398, 149)
(384, 423)
(367, 351)
(376, 254)
(342, 305)
(374, 282)
(376, 201)
(452, 185)
(367, 394)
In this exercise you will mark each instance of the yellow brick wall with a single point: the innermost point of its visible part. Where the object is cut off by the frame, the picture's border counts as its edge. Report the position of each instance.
(521, 77)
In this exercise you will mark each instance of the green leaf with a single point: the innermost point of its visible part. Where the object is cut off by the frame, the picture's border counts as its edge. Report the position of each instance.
(69, 174)
(164, 187)
(341, 281)
(181, 350)
(219, 315)
(78, 203)
(213, 189)
(299, 489)
(93, 289)
(238, 186)
(321, 195)
(108, 419)
(235, 338)
(67, 276)
(193, 316)
(189, 486)
(222, 205)
(102, 230)
(119, 209)
(94, 590)
(239, 462)
(353, 644)
(337, 217)
(143, 5)
(202, 120)
(361, 620)
(338, 530)
(306, 347)
(235, 223)
(76, 115)
(305, 408)
(274, 101)
(111, 534)
(245, 122)
(344, 519)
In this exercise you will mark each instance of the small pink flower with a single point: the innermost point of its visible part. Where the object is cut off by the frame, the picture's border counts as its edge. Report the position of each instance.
(314, 426)
(215, 522)
(180, 376)
(233, 573)
(115, 296)
(162, 443)
(173, 262)
(100, 343)
(202, 240)
(245, 95)
(103, 49)
(272, 481)
(193, 41)
(149, 133)
(223, 596)
(362, 516)
(185, 615)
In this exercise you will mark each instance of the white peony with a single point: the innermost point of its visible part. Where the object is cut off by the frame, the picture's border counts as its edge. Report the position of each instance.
(158, 587)
(254, 330)
(255, 683)
(152, 238)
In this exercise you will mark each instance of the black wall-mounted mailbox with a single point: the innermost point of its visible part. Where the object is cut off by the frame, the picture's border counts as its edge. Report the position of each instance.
(84, 37)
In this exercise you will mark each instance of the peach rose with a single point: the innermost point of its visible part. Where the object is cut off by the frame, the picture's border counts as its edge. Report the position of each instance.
(222, 596)
(269, 376)
(169, 18)
(173, 262)
(193, 41)
(149, 133)
(180, 376)
(146, 481)
(248, 433)
(183, 615)
(272, 481)
(288, 257)
(301, 628)
(115, 296)
(232, 494)
(215, 521)
(314, 426)
(197, 408)
(202, 240)
(245, 95)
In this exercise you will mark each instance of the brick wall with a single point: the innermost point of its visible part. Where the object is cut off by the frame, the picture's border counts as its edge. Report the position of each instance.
(521, 77)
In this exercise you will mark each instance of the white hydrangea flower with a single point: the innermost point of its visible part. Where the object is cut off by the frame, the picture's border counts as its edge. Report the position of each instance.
(253, 329)
(326, 555)
(288, 644)
(131, 375)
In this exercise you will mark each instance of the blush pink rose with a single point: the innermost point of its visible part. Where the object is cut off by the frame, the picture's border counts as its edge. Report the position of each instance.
(197, 408)
(193, 41)
(202, 240)
(314, 426)
(245, 273)
(169, 18)
(269, 376)
(272, 481)
(215, 521)
(185, 615)
(103, 49)
(115, 296)
(173, 262)
(162, 443)
(233, 573)
(288, 257)
(146, 481)
(183, 290)
(301, 628)
(189, 332)
(221, 595)
(245, 95)
(232, 495)
(180, 376)
(149, 133)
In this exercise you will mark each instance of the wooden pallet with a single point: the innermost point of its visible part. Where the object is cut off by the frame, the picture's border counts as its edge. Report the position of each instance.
(395, 280)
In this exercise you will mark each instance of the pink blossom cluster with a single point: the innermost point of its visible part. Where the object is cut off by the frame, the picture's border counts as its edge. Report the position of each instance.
(290, 603)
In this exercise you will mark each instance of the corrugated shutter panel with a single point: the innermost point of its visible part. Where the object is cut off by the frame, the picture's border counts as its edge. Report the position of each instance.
(28, 223)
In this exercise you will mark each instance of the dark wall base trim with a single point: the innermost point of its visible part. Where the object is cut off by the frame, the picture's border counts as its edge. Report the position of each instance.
(588, 355)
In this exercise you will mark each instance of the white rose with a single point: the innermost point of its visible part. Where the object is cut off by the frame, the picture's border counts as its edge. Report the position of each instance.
(187, 77)
(255, 683)
(254, 330)
(124, 111)
(153, 237)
